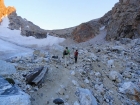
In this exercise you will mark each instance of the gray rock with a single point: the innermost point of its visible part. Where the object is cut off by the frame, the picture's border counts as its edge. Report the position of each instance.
(76, 103)
(12, 95)
(129, 88)
(85, 97)
(138, 42)
(125, 40)
(127, 74)
(6, 68)
(4, 85)
(75, 83)
(27, 28)
(113, 75)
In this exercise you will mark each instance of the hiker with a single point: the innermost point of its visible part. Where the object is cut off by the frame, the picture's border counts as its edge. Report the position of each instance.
(76, 55)
(66, 54)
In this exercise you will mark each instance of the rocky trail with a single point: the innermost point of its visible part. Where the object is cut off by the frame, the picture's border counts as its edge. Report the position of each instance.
(108, 67)
(105, 74)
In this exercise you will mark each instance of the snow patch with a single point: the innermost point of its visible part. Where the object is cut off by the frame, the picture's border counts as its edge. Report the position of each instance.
(102, 28)
(12, 42)
(5, 22)
(14, 36)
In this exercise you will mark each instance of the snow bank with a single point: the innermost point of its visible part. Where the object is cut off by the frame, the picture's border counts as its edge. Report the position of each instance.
(5, 22)
(14, 36)
(12, 41)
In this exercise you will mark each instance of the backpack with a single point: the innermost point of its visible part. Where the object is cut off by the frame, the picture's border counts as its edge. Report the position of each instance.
(65, 52)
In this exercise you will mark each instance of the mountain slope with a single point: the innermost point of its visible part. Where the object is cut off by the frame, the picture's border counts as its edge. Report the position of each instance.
(27, 27)
(16, 22)
(123, 21)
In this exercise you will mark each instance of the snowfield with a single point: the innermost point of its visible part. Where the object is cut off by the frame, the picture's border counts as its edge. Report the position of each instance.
(12, 42)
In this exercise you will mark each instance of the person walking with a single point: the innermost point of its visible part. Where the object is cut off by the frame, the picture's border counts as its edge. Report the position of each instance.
(76, 55)
(66, 54)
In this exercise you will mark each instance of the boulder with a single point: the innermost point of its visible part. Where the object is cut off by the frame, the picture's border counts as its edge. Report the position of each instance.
(4, 85)
(127, 74)
(110, 63)
(85, 97)
(129, 88)
(76, 103)
(6, 68)
(37, 76)
(115, 76)
(12, 95)
(125, 40)
(93, 57)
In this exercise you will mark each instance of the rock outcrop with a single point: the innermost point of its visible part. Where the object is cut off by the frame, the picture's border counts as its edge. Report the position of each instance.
(85, 31)
(123, 21)
(63, 33)
(16, 22)
(5, 10)
(27, 28)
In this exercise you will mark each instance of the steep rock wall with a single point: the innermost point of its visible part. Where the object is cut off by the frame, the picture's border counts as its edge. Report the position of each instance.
(124, 20)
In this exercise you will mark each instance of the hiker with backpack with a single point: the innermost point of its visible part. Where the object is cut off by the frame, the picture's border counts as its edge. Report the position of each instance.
(76, 55)
(66, 54)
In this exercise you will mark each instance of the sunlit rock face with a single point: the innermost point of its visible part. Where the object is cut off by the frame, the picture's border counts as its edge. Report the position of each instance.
(5, 10)
(85, 31)
(123, 21)
(18, 23)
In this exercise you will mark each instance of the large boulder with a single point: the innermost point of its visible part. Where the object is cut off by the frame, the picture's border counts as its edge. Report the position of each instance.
(129, 88)
(115, 76)
(4, 85)
(37, 76)
(6, 68)
(85, 97)
(12, 95)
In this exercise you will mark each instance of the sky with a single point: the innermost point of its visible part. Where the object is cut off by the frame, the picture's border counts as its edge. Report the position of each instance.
(60, 14)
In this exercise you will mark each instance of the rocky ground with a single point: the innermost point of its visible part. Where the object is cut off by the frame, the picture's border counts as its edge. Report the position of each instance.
(109, 73)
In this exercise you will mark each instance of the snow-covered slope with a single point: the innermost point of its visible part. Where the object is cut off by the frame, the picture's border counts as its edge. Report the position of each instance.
(12, 41)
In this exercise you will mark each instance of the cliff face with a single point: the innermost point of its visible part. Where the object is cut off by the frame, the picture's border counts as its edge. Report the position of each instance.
(85, 31)
(123, 21)
(5, 10)
(27, 27)
(16, 22)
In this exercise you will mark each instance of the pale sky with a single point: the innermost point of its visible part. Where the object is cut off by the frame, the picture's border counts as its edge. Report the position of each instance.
(59, 14)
